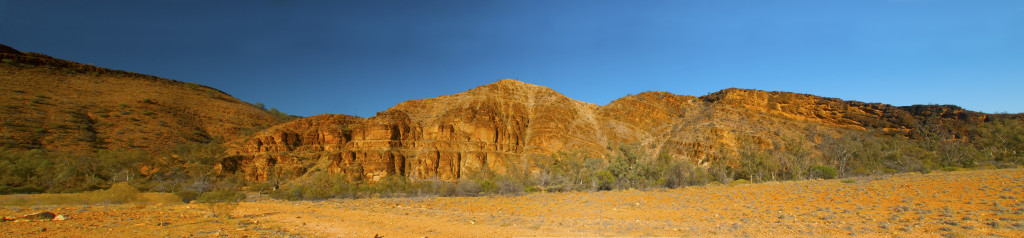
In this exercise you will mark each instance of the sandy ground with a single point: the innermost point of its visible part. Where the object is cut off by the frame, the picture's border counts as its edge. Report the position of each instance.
(940, 204)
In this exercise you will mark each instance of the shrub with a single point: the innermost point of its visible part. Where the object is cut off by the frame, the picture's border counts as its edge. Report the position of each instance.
(509, 186)
(605, 180)
(467, 187)
(187, 195)
(822, 172)
(119, 193)
(314, 192)
(221, 202)
(677, 174)
(488, 186)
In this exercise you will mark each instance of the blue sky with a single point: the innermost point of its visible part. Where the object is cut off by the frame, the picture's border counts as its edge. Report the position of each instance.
(362, 57)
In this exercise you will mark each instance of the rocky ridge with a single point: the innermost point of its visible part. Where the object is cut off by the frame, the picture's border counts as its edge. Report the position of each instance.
(54, 104)
(504, 126)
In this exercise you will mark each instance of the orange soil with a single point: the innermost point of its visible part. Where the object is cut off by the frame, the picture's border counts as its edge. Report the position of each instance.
(965, 203)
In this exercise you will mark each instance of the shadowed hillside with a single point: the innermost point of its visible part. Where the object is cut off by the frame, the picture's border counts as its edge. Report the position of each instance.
(67, 126)
(55, 104)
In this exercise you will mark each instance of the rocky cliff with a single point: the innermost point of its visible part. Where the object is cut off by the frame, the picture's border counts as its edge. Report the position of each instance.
(448, 137)
(500, 126)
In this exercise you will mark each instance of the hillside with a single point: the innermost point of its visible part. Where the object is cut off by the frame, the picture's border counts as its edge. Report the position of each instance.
(60, 105)
(515, 128)
(527, 136)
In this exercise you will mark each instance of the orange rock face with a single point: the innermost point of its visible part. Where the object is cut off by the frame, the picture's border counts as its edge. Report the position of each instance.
(496, 127)
(449, 137)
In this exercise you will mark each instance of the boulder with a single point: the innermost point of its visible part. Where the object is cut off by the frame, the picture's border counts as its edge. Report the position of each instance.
(39, 216)
(61, 218)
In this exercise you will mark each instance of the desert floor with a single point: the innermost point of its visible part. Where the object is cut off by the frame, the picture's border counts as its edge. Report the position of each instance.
(950, 204)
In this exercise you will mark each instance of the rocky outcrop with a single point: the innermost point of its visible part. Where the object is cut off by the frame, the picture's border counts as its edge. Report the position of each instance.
(499, 126)
(448, 137)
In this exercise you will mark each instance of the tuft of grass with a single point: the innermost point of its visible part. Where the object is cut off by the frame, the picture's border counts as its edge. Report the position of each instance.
(848, 181)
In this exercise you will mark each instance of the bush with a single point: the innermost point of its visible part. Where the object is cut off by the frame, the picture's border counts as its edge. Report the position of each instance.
(467, 187)
(119, 193)
(221, 202)
(509, 186)
(822, 172)
(488, 186)
(187, 195)
(605, 180)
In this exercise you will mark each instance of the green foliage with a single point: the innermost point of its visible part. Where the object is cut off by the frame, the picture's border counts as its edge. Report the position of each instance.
(822, 172)
(632, 169)
(606, 180)
(36, 171)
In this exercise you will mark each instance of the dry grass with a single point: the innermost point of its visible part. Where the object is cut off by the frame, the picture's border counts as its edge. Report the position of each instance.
(118, 194)
(953, 204)
(964, 203)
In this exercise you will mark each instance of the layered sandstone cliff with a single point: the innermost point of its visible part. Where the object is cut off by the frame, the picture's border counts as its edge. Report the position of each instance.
(499, 126)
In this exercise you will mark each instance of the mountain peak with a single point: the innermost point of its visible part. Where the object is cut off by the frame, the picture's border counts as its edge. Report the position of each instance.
(514, 84)
(510, 82)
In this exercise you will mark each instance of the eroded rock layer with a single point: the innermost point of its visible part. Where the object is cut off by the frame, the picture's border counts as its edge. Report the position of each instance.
(497, 127)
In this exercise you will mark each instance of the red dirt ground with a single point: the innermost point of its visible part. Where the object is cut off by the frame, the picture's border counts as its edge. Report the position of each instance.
(949, 204)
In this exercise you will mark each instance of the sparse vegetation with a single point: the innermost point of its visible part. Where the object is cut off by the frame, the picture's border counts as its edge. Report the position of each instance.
(863, 153)
(221, 202)
(119, 193)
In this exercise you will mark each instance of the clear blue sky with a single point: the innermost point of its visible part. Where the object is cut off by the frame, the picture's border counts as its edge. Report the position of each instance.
(362, 57)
